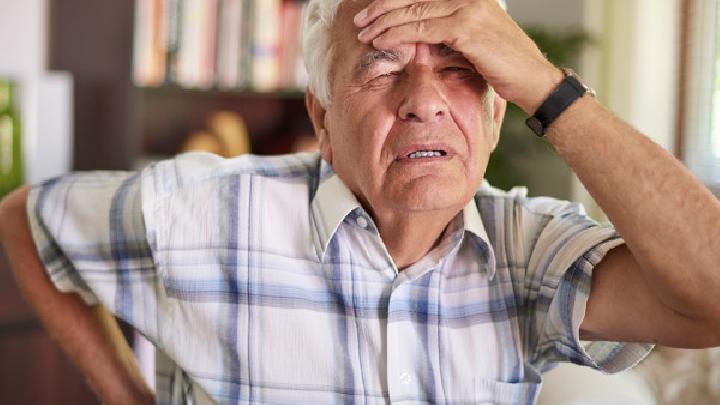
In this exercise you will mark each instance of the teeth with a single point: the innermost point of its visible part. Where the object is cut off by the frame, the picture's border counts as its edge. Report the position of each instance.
(425, 154)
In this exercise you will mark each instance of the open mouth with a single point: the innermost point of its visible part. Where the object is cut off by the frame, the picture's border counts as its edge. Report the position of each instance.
(420, 154)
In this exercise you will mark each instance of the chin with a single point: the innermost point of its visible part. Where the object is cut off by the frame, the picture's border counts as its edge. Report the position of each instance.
(419, 196)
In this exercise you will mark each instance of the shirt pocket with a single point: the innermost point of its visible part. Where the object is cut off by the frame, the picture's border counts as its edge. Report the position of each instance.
(501, 393)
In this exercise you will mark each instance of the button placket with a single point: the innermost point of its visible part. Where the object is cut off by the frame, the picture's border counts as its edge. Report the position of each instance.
(405, 377)
(401, 378)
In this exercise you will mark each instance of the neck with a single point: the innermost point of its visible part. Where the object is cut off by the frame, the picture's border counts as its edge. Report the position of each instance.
(408, 237)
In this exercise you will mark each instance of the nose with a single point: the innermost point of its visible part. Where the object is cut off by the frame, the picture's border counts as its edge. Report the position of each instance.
(424, 101)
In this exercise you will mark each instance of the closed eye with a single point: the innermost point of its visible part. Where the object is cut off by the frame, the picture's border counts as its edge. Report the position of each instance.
(387, 75)
(460, 69)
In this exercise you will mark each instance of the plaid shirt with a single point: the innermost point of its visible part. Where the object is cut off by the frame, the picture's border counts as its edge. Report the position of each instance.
(263, 280)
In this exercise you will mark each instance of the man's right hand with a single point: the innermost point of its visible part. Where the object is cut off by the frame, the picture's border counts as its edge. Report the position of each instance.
(479, 29)
(88, 335)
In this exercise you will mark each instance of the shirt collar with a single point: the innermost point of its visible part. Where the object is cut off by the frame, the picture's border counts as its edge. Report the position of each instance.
(472, 221)
(473, 224)
(332, 202)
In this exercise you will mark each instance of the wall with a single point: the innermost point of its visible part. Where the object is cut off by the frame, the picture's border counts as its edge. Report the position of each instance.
(23, 36)
(640, 63)
(557, 14)
(45, 98)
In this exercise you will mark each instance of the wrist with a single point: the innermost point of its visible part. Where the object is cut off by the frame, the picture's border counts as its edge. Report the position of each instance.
(562, 97)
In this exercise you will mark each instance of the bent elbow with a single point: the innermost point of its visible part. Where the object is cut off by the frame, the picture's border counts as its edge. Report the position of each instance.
(13, 213)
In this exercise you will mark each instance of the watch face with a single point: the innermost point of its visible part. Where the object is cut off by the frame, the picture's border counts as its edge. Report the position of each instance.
(536, 126)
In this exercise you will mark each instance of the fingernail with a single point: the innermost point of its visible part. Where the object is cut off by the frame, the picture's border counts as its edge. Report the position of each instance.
(359, 17)
(362, 33)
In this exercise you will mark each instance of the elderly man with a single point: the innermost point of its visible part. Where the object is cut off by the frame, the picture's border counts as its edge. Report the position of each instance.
(382, 270)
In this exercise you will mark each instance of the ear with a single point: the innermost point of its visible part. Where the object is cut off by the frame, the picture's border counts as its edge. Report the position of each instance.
(317, 116)
(499, 108)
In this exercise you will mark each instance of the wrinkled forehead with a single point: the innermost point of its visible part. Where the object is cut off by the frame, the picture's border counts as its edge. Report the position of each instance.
(346, 48)
(401, 56)
(343, 21)
(355, 57)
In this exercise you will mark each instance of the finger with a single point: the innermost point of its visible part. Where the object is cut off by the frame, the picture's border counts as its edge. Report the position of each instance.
(414, 12)
(434, 31)
(380, 7)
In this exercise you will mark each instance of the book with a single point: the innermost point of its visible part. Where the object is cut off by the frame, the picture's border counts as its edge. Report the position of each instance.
(231, 36)
(266, 17)
(224, 44)
(173, 15)
(149, 42)
(289, 50)
(196, 50)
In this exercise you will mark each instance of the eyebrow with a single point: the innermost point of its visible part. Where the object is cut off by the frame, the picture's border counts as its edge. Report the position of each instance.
(444, 51)
(375, 56)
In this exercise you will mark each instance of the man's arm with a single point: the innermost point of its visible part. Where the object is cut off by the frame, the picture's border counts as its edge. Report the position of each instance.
(662, 286)
(89, 335)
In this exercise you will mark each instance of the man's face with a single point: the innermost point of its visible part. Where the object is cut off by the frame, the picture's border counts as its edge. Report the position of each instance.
(409, 129)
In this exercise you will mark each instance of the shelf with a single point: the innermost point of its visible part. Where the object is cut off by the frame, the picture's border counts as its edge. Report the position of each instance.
(165, 116)
(118, 123)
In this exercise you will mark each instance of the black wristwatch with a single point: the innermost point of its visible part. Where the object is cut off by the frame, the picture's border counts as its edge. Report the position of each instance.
(566, 93)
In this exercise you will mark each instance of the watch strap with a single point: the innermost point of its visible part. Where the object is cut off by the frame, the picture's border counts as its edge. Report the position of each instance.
(564, 95)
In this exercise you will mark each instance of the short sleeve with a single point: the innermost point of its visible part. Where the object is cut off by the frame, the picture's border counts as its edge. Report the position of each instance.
(90, 234)
(568, 247)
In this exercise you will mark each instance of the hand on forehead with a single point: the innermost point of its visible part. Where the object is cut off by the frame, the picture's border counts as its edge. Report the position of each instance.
(346, 24)
(481, 30)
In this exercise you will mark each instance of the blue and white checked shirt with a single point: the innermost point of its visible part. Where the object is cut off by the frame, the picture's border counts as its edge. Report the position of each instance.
(263, 280)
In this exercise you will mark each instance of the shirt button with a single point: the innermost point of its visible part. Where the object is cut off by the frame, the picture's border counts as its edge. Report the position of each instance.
(405, 378)
(362, 222)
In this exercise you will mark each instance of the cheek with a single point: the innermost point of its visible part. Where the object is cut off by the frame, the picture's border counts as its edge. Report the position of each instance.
(473, 114)
(363, 127)
(370, 122)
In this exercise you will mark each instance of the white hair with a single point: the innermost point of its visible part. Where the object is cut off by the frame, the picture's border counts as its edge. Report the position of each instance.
(318, 48)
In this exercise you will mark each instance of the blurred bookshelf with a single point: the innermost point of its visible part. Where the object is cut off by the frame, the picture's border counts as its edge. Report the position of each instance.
(151, 74)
